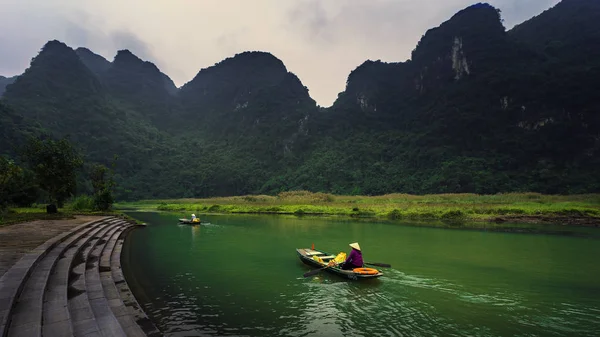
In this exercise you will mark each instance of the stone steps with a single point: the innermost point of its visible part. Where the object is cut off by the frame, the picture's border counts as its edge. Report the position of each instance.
(107, 322)
(133, 307)
(14, 281)
(66, 287)
(80, 309)
(28, 311)
(114, 301)
(56, 316)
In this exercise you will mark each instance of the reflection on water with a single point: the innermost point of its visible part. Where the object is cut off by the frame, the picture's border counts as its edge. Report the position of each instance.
(240, 276)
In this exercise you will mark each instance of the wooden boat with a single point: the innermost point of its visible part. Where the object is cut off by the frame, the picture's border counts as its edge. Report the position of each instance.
(306, 255)
(189, 222)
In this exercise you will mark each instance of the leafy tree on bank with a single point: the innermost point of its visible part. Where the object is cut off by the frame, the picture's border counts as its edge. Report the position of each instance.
(9, 173)
(103, 182)
(17, 186)
(55, 164)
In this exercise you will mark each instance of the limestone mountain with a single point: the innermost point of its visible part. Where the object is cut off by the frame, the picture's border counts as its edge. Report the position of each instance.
(476, 109)
(140, 85)
(568, 32)
(250, 95)
(59, 95)
(57, 91)
(96, 63)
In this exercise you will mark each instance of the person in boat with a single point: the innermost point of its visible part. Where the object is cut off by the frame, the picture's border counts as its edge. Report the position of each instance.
(354, 259)
(194, 219)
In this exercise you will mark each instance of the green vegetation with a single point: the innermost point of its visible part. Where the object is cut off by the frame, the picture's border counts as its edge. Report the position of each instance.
(477, 109)
(103, 183)
(82, 205)
(13, 216)
(50, 166)
(54, 163)
(4, 81)
(445, 207)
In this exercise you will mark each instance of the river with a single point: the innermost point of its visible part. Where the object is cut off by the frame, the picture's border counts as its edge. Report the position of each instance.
(240, 276)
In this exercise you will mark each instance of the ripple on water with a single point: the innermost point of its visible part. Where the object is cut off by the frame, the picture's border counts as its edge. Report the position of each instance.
(346, 308)
(197, 302)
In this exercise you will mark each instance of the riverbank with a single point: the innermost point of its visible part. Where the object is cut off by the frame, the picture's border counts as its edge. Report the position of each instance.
(38, 212)
(511, 207)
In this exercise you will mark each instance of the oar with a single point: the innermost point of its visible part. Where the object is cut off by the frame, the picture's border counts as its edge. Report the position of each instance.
(384, 265)
(315, 272)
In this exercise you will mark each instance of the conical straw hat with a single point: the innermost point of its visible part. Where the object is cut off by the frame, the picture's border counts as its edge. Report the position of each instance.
(355, 245)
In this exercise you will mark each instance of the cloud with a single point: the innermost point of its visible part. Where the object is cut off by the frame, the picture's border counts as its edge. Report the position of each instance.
(85, 32)
(388, 24)
(314, 20)
(518, 11)
(229, 42)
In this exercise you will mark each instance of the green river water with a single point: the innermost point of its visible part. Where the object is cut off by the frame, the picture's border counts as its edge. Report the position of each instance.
(240, 276)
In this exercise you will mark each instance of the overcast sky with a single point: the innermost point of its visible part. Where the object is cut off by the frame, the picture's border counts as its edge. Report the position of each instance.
(320, 41)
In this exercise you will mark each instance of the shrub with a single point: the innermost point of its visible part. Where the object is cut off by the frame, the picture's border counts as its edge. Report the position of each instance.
(82, 203)
(103, 200)
(454, 214)
(394, 214)
(214, 208)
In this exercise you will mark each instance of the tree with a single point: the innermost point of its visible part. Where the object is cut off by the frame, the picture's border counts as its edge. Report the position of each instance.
(55, 164)
(17, 186)
(9, 175)
(103, 182)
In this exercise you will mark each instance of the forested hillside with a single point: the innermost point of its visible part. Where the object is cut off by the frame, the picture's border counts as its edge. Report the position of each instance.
(475, 109)
(4, 81)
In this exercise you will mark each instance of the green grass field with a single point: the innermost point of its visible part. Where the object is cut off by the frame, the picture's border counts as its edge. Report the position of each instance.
(392, 206)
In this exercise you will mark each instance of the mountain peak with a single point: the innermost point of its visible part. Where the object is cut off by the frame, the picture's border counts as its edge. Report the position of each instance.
(460, 47)
(259, 59)
(52, 54)
(125, 59)
(126, 56)
(478, 23)
(96, 63)
(480, 7)
(84, 50)
(56, 73)
(55, 45)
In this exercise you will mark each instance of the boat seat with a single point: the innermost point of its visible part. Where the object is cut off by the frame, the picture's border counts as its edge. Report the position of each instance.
(327, 257)
(312, 252)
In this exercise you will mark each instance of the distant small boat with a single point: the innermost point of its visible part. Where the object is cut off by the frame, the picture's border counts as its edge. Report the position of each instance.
(307, 256)
(190, 222)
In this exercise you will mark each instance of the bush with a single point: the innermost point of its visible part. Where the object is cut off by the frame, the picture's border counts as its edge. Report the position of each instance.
(394, 214)
(306, 196)
(214, 208)
(82, 203)
(452, 215)
(103, 200)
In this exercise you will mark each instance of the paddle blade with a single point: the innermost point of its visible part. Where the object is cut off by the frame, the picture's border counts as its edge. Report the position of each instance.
(384, 265)
(313, 272)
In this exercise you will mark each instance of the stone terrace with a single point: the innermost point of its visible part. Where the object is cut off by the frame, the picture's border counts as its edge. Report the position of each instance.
(70, 285)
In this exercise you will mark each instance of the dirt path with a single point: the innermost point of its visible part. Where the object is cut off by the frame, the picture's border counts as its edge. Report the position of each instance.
(18, 239)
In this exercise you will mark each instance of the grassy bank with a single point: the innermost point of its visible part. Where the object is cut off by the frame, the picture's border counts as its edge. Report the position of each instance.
(38, 212)
(526, 207)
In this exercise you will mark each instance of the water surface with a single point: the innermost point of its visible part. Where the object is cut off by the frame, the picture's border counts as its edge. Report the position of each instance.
(239, 275)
